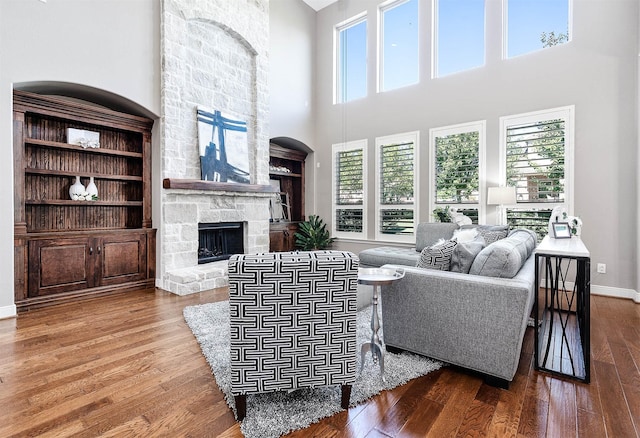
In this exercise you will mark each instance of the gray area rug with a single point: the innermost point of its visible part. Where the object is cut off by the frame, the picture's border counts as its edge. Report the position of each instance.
(275, 414)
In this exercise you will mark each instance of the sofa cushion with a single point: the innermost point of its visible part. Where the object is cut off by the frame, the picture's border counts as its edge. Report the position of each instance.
(505, 257)
(437, 256)
(428, 233)
(464, 254)
(383, 255)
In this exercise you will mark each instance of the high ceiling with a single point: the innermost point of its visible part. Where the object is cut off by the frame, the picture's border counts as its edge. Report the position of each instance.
(319, 4)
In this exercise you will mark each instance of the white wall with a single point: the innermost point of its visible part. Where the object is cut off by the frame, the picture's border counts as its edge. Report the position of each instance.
(108, 45)
(596, 72)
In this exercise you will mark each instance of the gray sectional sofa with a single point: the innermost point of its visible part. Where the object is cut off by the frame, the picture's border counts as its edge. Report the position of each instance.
(474, 320)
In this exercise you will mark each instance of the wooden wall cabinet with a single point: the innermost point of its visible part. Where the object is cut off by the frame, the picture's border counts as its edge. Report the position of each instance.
(287, 166)
(66, 249)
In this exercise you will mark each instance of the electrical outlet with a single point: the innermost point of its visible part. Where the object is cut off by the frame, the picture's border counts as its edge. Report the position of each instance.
(602, 268)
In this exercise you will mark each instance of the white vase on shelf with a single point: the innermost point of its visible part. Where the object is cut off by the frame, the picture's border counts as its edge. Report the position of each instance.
(76, 189)
(92, 189)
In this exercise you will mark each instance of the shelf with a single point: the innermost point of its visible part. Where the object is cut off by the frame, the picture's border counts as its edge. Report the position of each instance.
(276, 173)
(196, 184)
(62, 173)
(78, 148)
(70, 203)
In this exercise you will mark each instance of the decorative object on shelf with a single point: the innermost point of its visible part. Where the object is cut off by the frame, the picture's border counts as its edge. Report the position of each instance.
(313, 235)
(279, 169)
(559, 214)
(561, 230)
(92, 189)
(223, 147)
(77, 189)
(84, 138)
(459, 218)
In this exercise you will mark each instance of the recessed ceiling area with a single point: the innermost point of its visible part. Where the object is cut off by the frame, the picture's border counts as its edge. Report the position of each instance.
(319, 4)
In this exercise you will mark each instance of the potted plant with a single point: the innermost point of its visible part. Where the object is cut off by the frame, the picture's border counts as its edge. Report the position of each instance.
(442, 214)
(313, 235)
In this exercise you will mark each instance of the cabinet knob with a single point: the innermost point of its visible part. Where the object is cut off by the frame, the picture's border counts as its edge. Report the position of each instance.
(91, 250)
(99, 250)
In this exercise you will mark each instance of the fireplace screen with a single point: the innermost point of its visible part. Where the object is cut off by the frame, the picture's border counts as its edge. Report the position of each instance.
(219, 241)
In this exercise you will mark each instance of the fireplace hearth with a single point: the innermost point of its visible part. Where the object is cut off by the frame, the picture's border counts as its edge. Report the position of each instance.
(219, 241)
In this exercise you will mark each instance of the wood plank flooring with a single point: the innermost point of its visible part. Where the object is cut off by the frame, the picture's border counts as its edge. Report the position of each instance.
(128, 365)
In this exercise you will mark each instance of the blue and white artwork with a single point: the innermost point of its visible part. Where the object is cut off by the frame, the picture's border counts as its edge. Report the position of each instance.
(224, 150)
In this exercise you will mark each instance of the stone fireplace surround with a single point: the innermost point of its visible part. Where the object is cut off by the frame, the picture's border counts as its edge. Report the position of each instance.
(215, 55)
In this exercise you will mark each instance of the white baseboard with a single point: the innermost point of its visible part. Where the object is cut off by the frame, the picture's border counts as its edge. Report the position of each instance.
(616, 292)
(608, 291)
(8, 311)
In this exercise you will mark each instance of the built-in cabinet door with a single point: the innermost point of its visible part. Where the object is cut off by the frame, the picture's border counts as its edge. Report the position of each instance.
(61, 265)
(123, 258)
(282, 236)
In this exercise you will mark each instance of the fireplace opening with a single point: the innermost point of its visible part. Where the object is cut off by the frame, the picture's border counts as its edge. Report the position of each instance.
(219, 241)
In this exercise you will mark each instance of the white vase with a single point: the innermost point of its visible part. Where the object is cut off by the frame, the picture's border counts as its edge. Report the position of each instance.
(92, 189)
(76, 189)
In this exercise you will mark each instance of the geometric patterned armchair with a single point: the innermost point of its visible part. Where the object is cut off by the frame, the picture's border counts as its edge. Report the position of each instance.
(293, 322)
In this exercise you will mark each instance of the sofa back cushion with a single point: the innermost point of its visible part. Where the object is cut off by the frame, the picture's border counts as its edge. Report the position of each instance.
(504, 258)
(428, 233)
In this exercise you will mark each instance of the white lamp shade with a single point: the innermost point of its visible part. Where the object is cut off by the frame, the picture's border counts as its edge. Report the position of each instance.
(501, 195)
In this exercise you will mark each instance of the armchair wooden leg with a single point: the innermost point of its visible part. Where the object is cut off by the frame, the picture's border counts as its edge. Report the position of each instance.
(241, 406)
(346, 395)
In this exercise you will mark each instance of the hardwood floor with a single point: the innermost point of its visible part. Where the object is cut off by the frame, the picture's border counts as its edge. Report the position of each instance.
(128, 365)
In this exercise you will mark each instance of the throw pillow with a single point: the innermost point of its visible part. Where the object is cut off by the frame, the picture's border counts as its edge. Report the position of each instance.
(464, 254)
(465, 235)
(492, 233)
(437, 256)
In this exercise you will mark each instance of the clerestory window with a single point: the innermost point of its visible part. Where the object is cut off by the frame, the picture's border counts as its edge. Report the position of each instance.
(351, 62)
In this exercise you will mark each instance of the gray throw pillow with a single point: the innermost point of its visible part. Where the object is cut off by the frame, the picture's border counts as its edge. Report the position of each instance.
(490, 233)
(464, 254)
(437, 256)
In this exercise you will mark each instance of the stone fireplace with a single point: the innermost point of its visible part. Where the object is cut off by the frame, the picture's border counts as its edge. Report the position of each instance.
(219, 241)
(214, 54)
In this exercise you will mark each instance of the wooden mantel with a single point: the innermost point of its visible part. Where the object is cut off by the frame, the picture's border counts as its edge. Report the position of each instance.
(212, 186)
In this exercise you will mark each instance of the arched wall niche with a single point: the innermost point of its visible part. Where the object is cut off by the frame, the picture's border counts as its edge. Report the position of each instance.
(87, 94)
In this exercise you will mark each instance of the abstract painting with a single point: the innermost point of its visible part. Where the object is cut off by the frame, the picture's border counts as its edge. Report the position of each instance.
(223, 147)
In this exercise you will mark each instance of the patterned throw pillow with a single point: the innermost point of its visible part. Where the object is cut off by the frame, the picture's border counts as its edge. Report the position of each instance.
(494, 233)
(437, 256)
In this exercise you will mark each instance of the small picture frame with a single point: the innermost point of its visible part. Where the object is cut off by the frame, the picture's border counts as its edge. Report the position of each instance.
(561, 230)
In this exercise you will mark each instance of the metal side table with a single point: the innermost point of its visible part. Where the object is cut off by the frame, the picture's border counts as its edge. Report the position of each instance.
(562, 320)
(376, 277)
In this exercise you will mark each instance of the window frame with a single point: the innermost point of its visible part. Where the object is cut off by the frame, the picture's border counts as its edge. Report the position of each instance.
(407, 137)
(567, 113)
(338, 80)
(479, 126)
(335, 149)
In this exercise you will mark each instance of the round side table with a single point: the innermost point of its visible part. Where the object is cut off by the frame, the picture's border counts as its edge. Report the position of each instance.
(376, 277)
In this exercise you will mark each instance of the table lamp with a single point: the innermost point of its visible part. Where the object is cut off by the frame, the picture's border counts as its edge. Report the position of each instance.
(501, 196)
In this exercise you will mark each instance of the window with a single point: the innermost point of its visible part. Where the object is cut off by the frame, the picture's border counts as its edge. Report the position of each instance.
(351, 62)
(399, 45)
(458, 35)
(537, 157)
(396, 182)
(349, 190)
(533, 25)
(457, 154)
